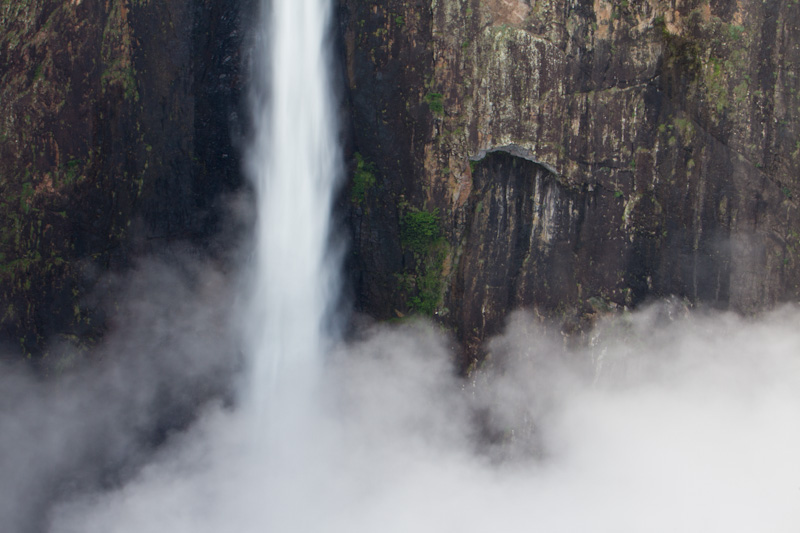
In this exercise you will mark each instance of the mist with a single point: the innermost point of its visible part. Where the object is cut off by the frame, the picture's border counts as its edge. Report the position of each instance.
(662, 420)
(97, 417)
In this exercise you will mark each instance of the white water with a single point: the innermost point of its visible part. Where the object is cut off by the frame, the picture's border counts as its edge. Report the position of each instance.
(294, 164)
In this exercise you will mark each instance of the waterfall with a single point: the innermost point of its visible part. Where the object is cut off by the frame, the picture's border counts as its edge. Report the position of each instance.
(294, 164)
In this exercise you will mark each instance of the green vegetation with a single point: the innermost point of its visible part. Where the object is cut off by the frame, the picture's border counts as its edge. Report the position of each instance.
(716, 84)
(421, 234)
(419, 230)
(120, 74)
(363, 179)
(39, 73)
(740, 93)
(735, 32)
(685, 128)
(435, 102)
(117, 54)
(429, 287)
(71, 171)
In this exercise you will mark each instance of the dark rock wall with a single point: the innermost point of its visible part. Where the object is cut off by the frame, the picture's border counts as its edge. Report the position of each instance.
(117, 126)
(569, 155)
(635, 149)
(388, 60)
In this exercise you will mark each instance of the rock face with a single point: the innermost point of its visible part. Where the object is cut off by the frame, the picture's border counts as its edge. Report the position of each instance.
(562, 155)
(576, 154)
(117, 119)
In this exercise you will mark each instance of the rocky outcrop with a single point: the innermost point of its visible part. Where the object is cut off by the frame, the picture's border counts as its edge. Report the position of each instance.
(577, 154)
(117, 126)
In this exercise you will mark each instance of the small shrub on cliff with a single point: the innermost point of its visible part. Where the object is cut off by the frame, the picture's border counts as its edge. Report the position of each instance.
(419, 230)
(363, 179)
(435, 102)
(421, 234)
(429, 283)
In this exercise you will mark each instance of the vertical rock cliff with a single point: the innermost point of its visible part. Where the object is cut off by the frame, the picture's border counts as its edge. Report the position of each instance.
(568, 156)
(572, 155)
(117, 120)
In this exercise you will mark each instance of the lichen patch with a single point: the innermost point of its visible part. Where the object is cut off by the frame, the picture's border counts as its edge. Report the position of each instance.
(511, 12)
(602, 14)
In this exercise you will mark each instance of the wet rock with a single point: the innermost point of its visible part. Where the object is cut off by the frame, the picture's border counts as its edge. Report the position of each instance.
(628, 150)
(115, 135)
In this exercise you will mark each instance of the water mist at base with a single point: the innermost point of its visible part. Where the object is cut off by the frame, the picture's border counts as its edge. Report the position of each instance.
(690, 426)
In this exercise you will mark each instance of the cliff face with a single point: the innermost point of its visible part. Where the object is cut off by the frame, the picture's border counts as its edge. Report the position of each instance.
(115, 122)
(575, 155)
(563, 155)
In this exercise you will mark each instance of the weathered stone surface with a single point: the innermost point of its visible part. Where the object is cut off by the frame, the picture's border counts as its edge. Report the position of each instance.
(571, 153)
(114, 123)
(655, 142)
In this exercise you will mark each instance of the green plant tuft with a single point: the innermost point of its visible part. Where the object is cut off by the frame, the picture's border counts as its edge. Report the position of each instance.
(419, 230)
(435, 103)
(735, 32)
(421, 234)
(363, 179)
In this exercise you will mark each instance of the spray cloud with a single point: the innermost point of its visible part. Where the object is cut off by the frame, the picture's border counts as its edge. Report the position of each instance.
(692, 428)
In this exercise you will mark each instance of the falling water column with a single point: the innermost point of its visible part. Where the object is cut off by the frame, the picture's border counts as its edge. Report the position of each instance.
(294, 163)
